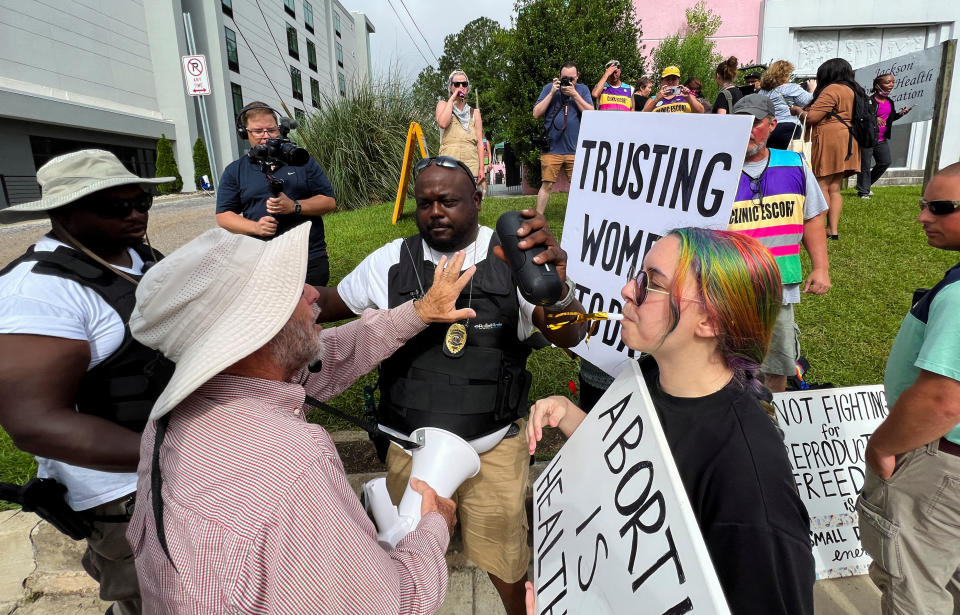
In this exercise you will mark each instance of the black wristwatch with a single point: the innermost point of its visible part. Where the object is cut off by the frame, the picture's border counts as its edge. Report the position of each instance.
(296, 207)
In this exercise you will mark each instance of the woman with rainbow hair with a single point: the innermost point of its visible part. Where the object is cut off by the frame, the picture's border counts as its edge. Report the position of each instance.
(703, 306)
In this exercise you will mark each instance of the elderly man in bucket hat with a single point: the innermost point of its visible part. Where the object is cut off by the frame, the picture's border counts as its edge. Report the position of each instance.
(243, 505)
(76, 389)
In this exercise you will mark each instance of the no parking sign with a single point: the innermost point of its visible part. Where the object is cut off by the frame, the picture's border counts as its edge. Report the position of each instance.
(196, 76)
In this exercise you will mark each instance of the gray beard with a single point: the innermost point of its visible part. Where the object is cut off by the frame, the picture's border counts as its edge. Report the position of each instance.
(753, 151)
(296, 346)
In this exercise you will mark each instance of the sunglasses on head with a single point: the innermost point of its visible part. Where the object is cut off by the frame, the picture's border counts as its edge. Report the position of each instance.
(459, 84)
(940, 207)
(118, 208)
(447, 162)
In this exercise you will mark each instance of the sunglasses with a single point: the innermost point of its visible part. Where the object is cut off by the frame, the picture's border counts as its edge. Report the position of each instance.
(940, 208)
(119, 208)
(461, 84)
(755, 186)
(447, 162)
(641, 286)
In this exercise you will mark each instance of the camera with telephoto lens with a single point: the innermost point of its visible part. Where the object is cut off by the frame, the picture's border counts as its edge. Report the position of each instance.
(280, 149)
(565, 81)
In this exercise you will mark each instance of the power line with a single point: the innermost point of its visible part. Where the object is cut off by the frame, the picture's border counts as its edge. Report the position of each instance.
(262, 69)
(410, 36)
(283, 60)
(420, 31)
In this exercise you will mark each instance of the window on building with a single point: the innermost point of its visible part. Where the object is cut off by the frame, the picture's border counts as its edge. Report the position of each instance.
(290, 7)
(343, 84)
(227, 6)
(308, 15)
(339, 55)
(237, 98)
(315, 92)
(336, 23)
(292, 46)
(299, 115)
(138, 160)
(312, 55)
(296, 83)
(233, 60)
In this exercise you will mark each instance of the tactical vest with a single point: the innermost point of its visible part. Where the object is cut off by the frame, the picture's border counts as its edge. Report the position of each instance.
(471, 395)
(772, 211)
(122, 387)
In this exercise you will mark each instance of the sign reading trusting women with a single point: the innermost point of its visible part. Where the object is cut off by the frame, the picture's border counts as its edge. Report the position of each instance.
(637, 176)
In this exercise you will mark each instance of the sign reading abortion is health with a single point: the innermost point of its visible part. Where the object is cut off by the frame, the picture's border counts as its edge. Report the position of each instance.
(636, 176)
(613, 529)
(826, 433)
(915, 81)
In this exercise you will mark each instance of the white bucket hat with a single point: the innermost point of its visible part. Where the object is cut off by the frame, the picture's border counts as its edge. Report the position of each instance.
(73, 176)
(215, 301)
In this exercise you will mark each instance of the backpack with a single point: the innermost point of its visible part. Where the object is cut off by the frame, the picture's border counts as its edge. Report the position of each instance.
(864, 127)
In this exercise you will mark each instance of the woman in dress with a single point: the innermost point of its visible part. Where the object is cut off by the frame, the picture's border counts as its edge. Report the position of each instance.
(788, 98)
(875, 160)
(703, 306)
(835, 155)
(462, 127)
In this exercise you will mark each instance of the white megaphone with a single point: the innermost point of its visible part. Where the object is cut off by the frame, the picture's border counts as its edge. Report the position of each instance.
(443, 460)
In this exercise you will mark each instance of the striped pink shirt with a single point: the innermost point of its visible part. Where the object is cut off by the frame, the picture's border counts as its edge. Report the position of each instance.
(258, 513)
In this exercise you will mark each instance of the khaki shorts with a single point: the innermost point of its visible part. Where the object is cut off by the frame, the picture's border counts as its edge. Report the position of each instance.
(551, 164)
(781, 359)
(491, 505)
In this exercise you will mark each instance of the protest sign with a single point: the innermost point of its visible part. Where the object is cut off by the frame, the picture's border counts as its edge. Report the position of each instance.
(915, 81)
(826, 433)
(635, 177)
(613, 528)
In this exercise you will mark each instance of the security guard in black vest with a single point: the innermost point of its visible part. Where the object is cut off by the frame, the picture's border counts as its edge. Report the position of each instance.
(469, 378)
(75, 388)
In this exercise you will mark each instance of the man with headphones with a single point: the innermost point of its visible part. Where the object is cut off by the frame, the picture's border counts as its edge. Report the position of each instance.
(246, 205)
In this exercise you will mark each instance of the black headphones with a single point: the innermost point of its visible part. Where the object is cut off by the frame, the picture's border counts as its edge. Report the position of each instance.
(285, 123)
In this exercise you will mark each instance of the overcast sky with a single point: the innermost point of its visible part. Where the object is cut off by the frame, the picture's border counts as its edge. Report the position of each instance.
(436, 18)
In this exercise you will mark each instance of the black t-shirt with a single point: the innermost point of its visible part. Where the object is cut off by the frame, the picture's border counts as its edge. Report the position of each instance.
(721, 101)
(639, 101)
(735, 470)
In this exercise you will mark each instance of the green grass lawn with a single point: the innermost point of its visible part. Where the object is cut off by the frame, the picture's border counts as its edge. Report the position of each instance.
(881, 258)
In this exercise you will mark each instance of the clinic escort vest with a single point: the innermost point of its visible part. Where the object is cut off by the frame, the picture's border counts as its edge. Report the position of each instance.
(476, 393)
(122, 387)
(673, 104)
(616, 98)
(771, 211)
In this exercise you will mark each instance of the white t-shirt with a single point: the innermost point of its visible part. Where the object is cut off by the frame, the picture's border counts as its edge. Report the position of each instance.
(366, 286)
(36, 304)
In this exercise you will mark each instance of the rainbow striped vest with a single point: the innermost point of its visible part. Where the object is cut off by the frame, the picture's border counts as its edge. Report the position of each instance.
(616, 98)
(770, 209)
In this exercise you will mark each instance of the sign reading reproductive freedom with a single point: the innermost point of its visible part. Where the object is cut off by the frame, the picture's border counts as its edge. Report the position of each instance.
(915, 81)
(613, 529)
(826, 433)
(637, 176)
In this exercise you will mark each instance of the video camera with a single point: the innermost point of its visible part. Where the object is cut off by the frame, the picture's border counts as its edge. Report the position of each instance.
(280, 149)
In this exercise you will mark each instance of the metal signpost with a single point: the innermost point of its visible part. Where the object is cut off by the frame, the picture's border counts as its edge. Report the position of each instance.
(198, 84)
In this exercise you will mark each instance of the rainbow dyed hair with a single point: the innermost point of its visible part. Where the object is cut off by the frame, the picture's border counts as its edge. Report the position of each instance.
(738, 284)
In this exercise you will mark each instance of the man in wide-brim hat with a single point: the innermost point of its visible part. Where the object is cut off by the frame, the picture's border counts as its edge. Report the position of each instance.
(75, 388)
(243, 506)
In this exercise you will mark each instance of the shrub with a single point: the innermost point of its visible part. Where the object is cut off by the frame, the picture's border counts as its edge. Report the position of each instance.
(167, 167)
(201, 164)
(692, 51)
(359, 139)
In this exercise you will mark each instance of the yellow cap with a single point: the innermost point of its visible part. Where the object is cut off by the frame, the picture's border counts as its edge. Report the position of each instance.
(670, 71)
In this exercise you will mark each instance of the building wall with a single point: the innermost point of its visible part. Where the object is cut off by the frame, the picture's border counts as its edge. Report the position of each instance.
(738, 34)
(114, 67)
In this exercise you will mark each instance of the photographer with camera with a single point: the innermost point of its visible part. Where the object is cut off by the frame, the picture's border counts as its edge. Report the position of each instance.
(561, 103)
(673, 97)
(275, 187)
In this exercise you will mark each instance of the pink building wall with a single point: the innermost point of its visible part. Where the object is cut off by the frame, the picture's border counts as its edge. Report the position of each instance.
(738, 34)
